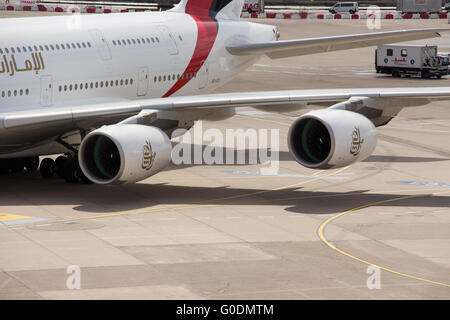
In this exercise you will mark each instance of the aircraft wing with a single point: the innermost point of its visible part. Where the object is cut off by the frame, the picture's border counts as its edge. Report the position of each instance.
(94, 115)
(290, 48)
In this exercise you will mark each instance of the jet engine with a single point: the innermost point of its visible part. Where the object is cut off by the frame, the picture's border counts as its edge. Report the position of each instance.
(324, 139)
(124, 153)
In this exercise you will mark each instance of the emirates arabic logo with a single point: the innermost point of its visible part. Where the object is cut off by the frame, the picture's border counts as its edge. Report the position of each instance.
(356, 142)
(148, 156)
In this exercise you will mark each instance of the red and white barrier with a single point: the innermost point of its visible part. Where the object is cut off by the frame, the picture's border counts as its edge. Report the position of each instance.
(266, 15)
(83, 9)
(339, 16)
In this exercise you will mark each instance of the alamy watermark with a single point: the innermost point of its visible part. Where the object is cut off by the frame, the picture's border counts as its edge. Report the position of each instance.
(373, 18)
(374, 280)
(73, 281)
(232, 147)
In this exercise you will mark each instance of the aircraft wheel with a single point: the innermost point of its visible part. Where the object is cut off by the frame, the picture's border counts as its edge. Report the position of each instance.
(59, 164)
(17, 165)
(32, 164)
(4, 165)
(70, 172)
(47, 168)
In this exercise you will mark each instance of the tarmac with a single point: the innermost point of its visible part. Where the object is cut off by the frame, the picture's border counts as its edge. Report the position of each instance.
(378, 229)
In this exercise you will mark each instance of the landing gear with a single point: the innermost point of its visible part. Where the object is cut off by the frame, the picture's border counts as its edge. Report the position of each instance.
(31, 164)
(47, 168)
(17, 165)
(67, 168)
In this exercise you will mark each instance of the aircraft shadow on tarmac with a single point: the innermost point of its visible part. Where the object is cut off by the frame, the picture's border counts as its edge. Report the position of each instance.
(30, 189)
(375, 158)
(35, 191)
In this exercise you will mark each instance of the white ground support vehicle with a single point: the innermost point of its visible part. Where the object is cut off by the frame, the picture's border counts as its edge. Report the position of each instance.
(400, 60)
(344, 7)
(419, 6)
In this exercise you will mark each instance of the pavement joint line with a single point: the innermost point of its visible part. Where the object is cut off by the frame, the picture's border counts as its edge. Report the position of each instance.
(320, 233)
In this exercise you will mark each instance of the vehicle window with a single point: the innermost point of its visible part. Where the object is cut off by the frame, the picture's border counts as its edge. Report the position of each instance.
(404, 52)
(389, 52)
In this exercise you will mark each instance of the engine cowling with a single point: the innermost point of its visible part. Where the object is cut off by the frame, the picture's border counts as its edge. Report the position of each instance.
(324, 139)
(124, 153)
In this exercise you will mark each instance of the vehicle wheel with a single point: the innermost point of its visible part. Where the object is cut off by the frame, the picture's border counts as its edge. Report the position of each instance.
(439, 76)
(396, 74)
(47, 168)
(32, 164)
(425, 75)
(352, 12)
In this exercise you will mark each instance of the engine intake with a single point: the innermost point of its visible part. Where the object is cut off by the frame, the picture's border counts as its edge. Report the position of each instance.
(124, 153)
(324, 139)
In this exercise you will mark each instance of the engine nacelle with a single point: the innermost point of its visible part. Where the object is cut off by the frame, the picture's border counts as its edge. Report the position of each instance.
(124, 153)
(325, 139)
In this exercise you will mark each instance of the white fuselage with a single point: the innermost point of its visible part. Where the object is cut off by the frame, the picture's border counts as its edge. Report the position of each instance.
(83, 59)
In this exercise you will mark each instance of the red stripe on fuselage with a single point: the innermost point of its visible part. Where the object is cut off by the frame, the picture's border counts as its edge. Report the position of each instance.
(206, 36)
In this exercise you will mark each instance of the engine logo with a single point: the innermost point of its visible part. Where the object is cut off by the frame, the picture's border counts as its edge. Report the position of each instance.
(148, 156)
(356, 142)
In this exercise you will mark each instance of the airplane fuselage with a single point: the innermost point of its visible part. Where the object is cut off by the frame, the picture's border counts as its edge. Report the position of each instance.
(53, 61)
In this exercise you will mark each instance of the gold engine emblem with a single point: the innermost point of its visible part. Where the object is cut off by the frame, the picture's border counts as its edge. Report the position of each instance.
(148, 156)
(356, 142)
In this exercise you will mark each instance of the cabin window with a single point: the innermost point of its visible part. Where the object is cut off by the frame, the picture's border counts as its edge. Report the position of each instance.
(389, 52)
(404, 53)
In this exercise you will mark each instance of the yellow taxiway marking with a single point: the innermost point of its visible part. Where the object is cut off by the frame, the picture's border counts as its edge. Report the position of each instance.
(10, 217)
(322, 237)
